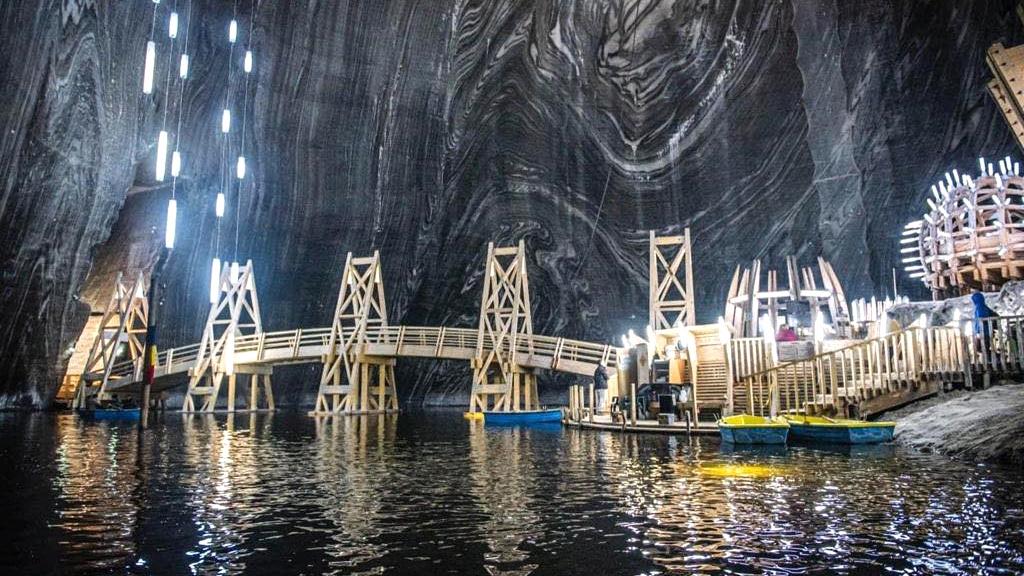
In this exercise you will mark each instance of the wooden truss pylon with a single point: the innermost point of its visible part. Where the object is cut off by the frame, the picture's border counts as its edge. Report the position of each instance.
(748, 302)
(236, 313)
(352, 381)
(123, 323)
(671, 282)
(506, 327)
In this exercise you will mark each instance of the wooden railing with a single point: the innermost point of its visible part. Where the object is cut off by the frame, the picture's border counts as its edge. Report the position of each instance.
(310, 344)
(831, 381)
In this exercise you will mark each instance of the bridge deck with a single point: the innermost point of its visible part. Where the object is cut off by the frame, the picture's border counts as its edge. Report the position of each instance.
(310, 345)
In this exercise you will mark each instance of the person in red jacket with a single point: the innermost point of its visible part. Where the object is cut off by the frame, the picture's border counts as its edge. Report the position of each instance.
(786, 334)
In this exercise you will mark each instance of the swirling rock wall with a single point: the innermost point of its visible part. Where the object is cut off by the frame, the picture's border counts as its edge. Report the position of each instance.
(426, 129)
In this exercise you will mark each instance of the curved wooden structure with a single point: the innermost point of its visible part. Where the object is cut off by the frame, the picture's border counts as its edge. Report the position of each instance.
(972, 237)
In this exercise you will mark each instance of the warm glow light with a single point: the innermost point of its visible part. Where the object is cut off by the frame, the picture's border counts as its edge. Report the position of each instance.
(240, 167)
(150, 68)
(219, 207)
(161, 156)
(215, 281)
(172, 25)
(225, 121)
(248, 61)
(175, 164)
(172, 223)
(232, 31)
(183, 67)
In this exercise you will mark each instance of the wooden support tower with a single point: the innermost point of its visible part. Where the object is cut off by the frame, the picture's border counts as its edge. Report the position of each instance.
(236, 313)
(671, 282)
(123, 323)
(352, 381)
(505, 331)
(748, 302)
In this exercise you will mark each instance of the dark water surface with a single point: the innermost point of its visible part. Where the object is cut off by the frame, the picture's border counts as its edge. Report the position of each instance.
(430, 493)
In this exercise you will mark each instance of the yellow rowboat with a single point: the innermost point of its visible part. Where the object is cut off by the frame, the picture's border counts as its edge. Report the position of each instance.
(838, 430)
(746, 429)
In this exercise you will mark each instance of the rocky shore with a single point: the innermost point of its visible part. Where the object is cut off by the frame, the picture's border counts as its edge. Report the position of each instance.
(979, 425)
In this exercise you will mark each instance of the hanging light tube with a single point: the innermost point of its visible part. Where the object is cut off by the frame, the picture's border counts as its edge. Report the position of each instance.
(149, 69)
(240, 168)
(225, 121)
(219, 208)
(215, 281)
(956, 177)
(183, 67)
(172, 223)
(232, 31)
(175, 164)
(981, 163)
(247, 65)
(172, 25)
(161, 156)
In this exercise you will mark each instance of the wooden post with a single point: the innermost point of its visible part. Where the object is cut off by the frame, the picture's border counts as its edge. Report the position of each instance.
(632, 402)
(593, 407)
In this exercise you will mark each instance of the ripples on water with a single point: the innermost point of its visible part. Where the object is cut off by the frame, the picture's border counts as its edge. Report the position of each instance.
(430, 493)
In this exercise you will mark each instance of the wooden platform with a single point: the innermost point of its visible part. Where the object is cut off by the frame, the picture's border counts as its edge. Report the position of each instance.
(604, 422)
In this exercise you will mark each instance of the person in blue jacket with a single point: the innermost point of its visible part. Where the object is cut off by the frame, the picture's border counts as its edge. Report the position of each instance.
(982, 311)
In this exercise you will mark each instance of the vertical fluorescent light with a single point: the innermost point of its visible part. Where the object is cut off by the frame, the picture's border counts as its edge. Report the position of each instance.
(248, 61)
(161, 156)
(225, 121)
(981, 162)
(150, 67)
(172, 222)
(240, 168)
(183, 67)
(172, 25)
(233, 272)
(232, 31)
(220, 205)
(175, 163)
(215, 281)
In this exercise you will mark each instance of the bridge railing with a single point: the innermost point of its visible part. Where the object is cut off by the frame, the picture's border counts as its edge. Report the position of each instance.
(281, 346)
(831, 380)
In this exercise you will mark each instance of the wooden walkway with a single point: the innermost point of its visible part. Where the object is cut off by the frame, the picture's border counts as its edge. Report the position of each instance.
(310, 346)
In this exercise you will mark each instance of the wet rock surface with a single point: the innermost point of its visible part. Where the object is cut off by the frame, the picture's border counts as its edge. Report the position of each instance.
(981, 425)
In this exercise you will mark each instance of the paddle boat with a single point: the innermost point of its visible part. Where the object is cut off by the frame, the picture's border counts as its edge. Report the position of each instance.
(112, 413)
(523, 417)
(838, 430)
(746, 429)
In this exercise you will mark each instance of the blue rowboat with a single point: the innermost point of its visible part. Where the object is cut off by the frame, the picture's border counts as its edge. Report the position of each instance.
(745, 429)
(839, 431)
(112, 413)
(524, 417)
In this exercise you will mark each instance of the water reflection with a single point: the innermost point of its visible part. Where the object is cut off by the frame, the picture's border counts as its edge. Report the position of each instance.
(431, 493)
(98, 490)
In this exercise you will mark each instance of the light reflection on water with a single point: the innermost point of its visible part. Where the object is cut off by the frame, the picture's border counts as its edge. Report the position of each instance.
(432, 493)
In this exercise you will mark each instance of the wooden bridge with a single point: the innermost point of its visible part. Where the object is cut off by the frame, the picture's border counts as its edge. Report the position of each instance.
(358, 351)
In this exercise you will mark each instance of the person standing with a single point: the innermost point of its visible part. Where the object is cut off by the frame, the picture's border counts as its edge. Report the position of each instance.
(600, 386)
